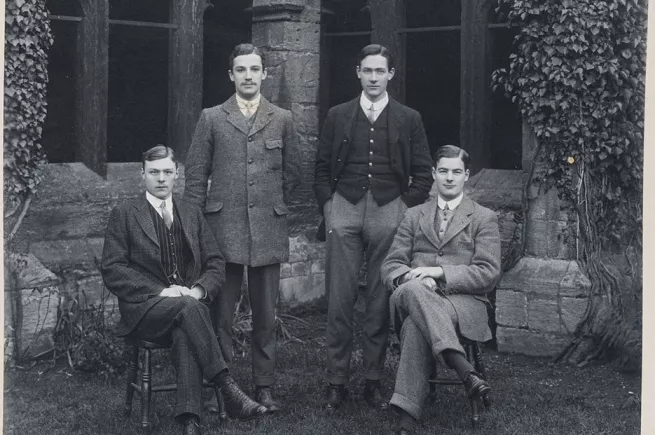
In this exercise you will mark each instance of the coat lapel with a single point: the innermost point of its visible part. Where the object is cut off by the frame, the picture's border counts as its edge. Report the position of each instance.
(263, 116)
(426, 222)
(144, 219)
(461, 219)
(235, 117)
(187, 224)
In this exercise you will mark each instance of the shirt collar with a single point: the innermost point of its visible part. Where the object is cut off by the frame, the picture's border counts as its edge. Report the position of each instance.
(452, 204)
(241, 102)
(377, 106)
(156, 202)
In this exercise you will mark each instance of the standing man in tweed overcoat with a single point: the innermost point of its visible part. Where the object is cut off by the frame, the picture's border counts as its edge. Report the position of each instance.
(369, 149)
(444, 259)
(247, 149)
(161, 261)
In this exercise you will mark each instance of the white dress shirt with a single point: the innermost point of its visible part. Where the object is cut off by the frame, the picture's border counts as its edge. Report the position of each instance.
(378, 106)
(243, 104)
(156, 203)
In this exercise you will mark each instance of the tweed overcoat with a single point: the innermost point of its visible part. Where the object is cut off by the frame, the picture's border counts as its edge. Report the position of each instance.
(253, 172)
(131, 258)
(469, 254)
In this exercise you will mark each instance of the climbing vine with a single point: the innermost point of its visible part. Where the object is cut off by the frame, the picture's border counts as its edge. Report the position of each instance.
(577, 75)
(27, 41)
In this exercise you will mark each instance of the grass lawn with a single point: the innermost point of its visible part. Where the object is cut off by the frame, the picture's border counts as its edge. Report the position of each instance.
(529, 396)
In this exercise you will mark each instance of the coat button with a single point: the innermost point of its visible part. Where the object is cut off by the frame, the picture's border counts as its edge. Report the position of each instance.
(338, 160)
(251, 183)
(440, 253)
(251, 205)
(249, 138)
(250, 160)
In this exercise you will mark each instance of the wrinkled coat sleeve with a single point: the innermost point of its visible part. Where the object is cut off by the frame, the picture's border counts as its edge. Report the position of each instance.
(420, 168)
(127, 283)
(399, 258)
(481, 274)
(291, 157)
(212, 275)
(322, 164)
(199, 162)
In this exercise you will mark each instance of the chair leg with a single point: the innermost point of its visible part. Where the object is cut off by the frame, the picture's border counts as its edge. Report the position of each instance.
(479, 367)
(475, 412)
(131, 379)
(146, 392)
(222, 414)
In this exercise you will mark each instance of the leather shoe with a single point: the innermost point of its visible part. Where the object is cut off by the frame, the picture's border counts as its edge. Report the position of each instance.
(336, 395)
(191, 426)
(373, 395)
(264, 395)
(476, 385)
(237, 403)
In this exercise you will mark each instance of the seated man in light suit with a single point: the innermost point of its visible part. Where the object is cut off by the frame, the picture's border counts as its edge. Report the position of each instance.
(161, 260)
(444, 258)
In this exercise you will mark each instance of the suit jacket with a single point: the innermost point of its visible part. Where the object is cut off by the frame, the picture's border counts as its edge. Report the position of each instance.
(408, 150)
(469, 254)
(246, 204)
(131, 258)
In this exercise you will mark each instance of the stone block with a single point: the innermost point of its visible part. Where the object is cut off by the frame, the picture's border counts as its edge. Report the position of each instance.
(285, 270)
(511, 308)
(305, 121)
(96, 245)
(574, 283)
(39, 319)
(546, 205)
(527, 342)
(542, 239)
(301, 268)
(63, 252)
(288, 35)
(535, 275)
(91, 291)
(543, 315)
(293, 77)
(302, 249)
(28, 271)
(318, 266)
(299, 289)
(573, 310)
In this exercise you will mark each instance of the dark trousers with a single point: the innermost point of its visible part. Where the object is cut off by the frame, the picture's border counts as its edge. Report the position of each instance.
(263, 288)
(186, 323)
(353, 229)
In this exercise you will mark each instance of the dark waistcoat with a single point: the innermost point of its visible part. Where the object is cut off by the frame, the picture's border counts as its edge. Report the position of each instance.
(175, 252)
(368, 166)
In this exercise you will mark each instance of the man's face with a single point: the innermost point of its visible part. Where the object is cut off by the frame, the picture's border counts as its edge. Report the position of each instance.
(159, 176)
(247, 74)
(374, 74)
(450, 176)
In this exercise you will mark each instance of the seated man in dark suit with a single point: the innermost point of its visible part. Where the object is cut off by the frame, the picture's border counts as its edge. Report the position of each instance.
(161, 260)
(444, 258)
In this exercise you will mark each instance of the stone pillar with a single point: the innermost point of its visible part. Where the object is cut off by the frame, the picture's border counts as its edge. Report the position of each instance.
(289, 32)
(92, 86)
(185, 72)
(543, 298)
(387, 16)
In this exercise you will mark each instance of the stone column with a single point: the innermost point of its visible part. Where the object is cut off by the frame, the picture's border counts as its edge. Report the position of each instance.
(387, 16)
(289, 32)
(543, 298)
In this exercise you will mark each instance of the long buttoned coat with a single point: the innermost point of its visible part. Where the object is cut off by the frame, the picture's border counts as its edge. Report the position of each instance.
(131, 258)
(252, 173)
(469, 254)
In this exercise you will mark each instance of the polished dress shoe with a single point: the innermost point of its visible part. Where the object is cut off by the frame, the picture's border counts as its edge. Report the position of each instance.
(373, 395)
(336, 395)
(191, 426)
(476, 385)
(237, 403)
(264, 395)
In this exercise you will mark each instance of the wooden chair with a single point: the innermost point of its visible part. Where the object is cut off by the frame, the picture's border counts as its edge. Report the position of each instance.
(474, 356)
(145, 387)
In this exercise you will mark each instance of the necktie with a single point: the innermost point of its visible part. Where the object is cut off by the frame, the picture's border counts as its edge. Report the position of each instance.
(371, 114)
(445, 217)
(249, 109)
(168, 218)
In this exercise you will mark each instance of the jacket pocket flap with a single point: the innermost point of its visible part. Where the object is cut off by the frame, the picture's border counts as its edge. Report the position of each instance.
(281, 209)
(272, 144)
(213, 206)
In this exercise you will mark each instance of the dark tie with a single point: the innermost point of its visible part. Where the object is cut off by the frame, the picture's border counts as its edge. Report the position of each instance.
(168, 218)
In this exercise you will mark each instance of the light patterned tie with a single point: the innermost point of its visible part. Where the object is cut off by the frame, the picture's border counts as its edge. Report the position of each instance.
(371, 114)
(445, 218)
(249, 109)
(168, 218)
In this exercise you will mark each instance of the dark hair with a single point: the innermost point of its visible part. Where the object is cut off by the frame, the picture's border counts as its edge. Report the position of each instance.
(451, 151)
(157, 153)
(244, 49)
(374, 50)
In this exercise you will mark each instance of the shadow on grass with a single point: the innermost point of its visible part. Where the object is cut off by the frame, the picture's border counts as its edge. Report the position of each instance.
(530, 396)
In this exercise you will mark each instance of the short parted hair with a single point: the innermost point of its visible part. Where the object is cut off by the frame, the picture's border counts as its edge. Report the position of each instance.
(451, 151)
(244, 49)
(157, 153)
(374, 50)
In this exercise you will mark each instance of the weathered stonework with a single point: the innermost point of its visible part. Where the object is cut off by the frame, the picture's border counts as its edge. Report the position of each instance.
(302, 279)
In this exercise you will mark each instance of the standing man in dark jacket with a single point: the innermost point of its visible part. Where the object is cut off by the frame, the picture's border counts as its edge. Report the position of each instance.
(372, 163)
(162, 263)
(248, 148)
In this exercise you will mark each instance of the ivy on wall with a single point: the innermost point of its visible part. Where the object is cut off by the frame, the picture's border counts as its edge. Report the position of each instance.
(577, 75)
(27, 41)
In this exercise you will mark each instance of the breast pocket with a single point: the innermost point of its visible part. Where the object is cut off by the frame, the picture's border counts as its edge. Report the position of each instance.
(274, 154)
